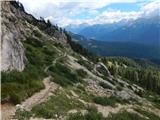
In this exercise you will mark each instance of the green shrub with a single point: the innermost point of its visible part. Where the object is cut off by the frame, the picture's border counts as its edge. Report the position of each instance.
(34, 42)
(62, 80)
(119, 88)
(139, 92)
(19, 85)
(15, 98)
(35, 56)
(85, 64)
(104, 101)
(77, 116)
(112, 81)
(104, 85)
(23, 115)
(111, 101)
(94, 114)
(63, 75)
(37, 34)
(81, 73)
(59, 45)
(81, 87)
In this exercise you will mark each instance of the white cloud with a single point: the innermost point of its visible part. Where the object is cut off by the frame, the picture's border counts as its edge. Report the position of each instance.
(153, 7)
(116, 16)
(62, 11)
(112, 15)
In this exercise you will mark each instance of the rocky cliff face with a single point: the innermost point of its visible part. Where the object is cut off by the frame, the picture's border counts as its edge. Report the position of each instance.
(16, 26)
(12, 50)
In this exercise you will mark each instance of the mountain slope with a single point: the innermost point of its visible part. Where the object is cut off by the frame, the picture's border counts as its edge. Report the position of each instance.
(62, 80)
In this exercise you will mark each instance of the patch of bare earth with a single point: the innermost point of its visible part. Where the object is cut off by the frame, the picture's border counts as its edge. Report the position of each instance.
(7, 111)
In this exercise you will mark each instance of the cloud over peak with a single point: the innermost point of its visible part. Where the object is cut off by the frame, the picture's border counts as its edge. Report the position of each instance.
(65, 12)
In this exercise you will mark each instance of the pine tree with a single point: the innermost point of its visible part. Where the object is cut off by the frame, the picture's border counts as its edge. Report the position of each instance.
(49, 24)
(135, 77)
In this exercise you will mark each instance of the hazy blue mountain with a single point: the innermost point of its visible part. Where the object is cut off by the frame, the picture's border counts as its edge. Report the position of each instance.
(98, 30)
(144, 31)
(116, 48)
(75, 28)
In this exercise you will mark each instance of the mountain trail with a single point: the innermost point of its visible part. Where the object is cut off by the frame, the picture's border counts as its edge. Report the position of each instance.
(8, 110)
(41, 96)
(54, 62)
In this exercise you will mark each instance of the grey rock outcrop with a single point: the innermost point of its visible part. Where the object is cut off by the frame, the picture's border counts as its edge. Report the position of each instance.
(102, 69)
(12, 50)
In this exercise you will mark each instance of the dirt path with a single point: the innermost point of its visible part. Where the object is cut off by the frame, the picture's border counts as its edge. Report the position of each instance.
(41, 96)
(54, 62)
(8, 110)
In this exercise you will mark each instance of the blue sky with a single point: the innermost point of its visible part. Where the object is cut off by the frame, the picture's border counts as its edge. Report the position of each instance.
(65, 12)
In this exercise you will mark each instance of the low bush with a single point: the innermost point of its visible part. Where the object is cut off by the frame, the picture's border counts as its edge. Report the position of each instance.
(104, 85)
(104, 101)
(34, 42)
(111, 101)
(19, 85)
(85, 64)
(81, 73)
(37, 33)
(119, 88)
(15, 98)
(139, 92)
(23, 115)
(63, 75)
(59, 45)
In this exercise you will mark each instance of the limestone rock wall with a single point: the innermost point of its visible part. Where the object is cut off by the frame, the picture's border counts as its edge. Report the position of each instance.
(12, 50)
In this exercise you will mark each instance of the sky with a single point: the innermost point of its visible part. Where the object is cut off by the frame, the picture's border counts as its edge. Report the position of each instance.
(77, 12)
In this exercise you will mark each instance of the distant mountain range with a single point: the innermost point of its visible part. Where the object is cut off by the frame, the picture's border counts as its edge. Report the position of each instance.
(134, 38)
(144, 31)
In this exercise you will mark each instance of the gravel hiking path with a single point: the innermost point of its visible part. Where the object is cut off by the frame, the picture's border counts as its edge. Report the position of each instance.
(8, 110)
(41, 96)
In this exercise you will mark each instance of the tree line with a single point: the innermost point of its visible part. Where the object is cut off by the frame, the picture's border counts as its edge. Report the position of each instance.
(146, 77)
